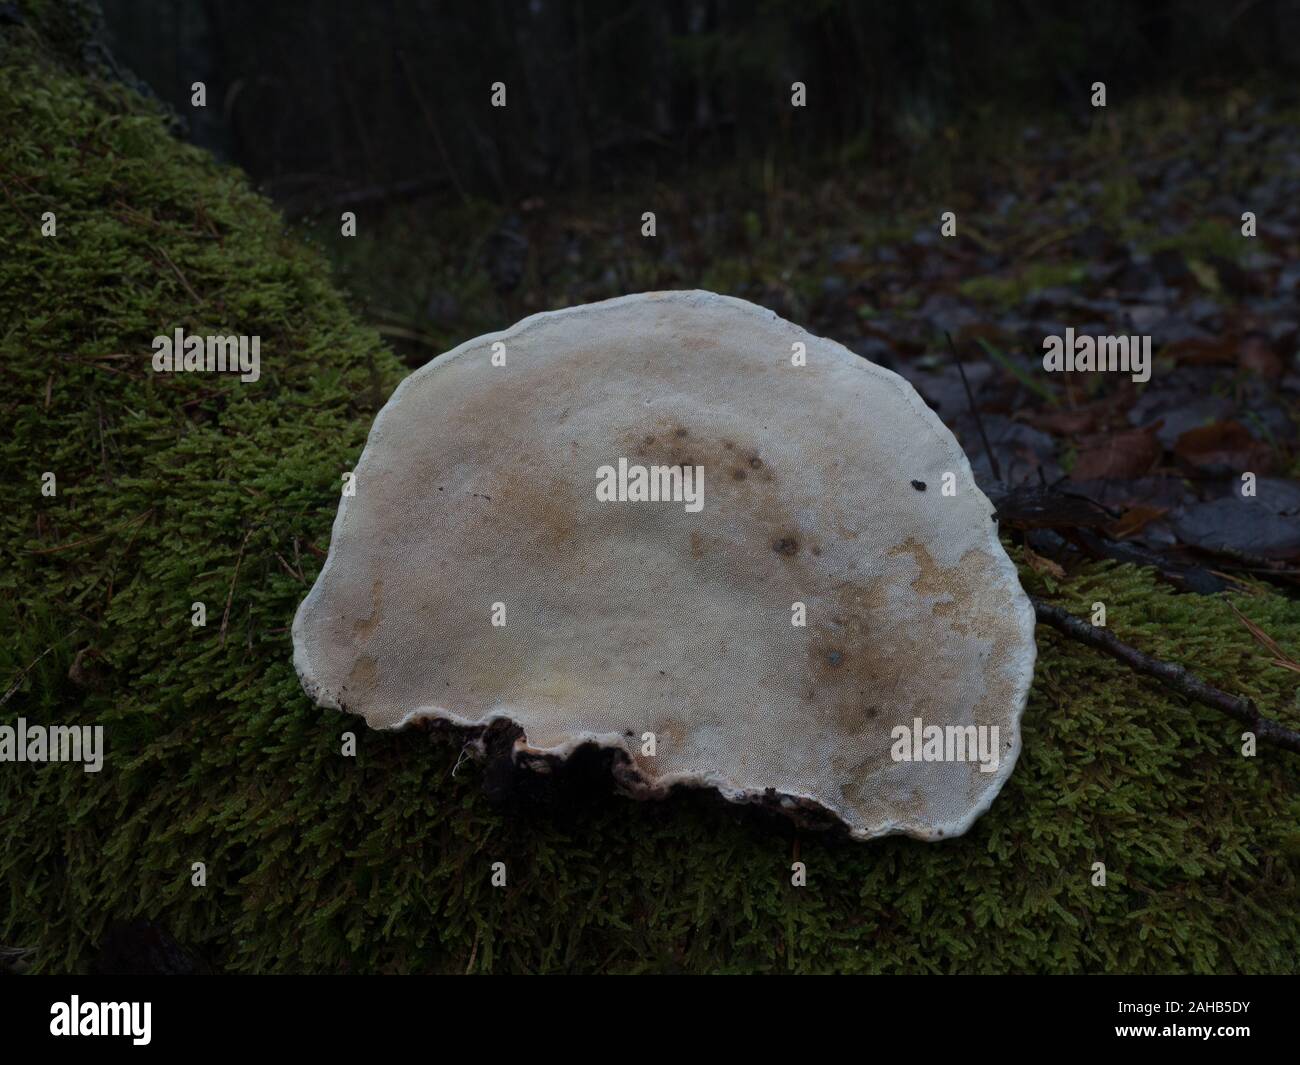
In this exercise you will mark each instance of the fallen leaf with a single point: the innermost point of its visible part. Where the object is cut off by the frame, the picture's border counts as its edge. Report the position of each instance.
(1223, 447)
(1043, 566)
(1258, 356)
(1118, 455)
(1135, 519)
(1205, 274)
(1201, 351)
(1062, 422)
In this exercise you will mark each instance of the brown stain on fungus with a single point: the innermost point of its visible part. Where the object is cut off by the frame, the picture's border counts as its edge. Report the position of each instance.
(786, 546)
(852, 673)
(747, 484)
(362, 676)
(957, 589)
(542, 506)
(666, 442)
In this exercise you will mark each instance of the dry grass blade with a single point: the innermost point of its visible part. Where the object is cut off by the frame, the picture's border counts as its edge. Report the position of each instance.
(1280, 657)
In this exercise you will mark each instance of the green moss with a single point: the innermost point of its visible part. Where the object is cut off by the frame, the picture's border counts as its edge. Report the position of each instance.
(1206, 237)
(180, 488)
(1033, 277)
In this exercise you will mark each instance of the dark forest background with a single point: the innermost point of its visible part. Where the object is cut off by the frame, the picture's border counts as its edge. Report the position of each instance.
(326, 103)
(1126, 220)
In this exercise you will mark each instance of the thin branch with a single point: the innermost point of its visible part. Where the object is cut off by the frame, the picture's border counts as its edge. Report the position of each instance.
(473, 950)
(225, 617)
(177, 271)
(19, 679)
(92, 539)
(970, 398)
(1171, 674)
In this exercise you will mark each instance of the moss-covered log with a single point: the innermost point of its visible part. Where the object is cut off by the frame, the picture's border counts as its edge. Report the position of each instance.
(180, 488)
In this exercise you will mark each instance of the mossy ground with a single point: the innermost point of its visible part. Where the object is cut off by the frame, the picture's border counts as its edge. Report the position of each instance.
(176, 489)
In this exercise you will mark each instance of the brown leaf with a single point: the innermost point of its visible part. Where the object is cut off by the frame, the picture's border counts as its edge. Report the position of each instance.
(1225, 446)
(1118, 455)
(1197, 351)
(1062, 422)
(1258, 356)
(1135, 519)
(1035, 507)
(1044, 566)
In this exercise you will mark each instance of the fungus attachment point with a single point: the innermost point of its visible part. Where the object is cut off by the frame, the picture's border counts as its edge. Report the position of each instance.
(486, 569)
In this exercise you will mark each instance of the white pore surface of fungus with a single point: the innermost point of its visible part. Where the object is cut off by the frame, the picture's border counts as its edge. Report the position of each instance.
(481, 572)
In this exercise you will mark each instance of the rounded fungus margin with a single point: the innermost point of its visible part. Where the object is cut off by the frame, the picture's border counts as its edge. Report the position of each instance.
(814, 628)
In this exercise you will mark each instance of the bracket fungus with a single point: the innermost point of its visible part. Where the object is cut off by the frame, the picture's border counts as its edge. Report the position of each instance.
(676, 525)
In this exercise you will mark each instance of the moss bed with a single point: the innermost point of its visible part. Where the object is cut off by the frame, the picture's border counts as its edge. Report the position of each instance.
(181, 488)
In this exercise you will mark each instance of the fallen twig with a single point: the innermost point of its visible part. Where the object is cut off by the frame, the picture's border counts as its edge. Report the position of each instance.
(19, 679)
(1170, 673)
(473, 951)
(177, 271)
(970, 398)
(92, 539)
(225, 617)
